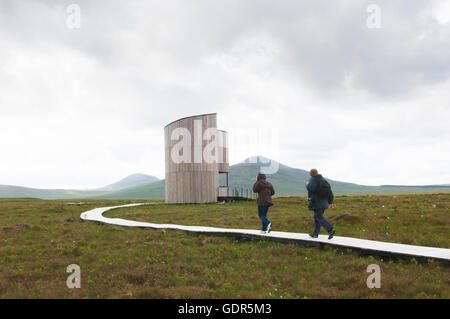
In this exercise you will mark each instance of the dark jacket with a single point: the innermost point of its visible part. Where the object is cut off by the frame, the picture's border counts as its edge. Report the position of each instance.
(315, 202)
(265, 191)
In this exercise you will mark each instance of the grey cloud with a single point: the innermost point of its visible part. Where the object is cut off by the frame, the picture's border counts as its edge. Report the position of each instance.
(330, 43)
(135, 65)
(322, 42)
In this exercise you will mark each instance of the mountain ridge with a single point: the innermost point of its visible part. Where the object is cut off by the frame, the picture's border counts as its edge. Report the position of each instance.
(130, 181)
(286, 181)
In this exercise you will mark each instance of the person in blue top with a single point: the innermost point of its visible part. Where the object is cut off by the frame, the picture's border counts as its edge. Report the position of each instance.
(318, 204)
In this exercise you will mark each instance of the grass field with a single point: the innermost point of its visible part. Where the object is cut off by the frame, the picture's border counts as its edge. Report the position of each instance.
(39, 239)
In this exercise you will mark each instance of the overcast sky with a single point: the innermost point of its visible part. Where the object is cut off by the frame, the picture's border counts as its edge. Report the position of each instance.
(83, 107)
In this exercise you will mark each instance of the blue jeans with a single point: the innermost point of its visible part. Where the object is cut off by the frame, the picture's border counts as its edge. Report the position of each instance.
(319, 220)
(262, 213)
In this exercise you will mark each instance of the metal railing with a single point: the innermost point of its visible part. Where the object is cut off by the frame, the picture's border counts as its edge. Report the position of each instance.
(243, 192)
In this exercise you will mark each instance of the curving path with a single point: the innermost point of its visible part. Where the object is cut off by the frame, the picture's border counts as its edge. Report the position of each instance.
(347, 242)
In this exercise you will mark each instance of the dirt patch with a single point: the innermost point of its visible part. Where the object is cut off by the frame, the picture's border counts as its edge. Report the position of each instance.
(371, 218)
(77, 204)
(22, 226)
(68, 220)
(347, 217)
(206, 240)
(17, 227)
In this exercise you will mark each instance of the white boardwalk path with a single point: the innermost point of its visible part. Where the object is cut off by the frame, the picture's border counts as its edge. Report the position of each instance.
(354, 243)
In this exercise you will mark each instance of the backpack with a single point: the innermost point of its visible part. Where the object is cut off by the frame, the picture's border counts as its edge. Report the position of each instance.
(323, 189)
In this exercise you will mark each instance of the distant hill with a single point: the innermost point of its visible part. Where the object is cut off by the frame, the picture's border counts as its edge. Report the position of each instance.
(150, 190)
(9, 191)
(292, 181)
(286, 181)
(418, 186)
(130, 181)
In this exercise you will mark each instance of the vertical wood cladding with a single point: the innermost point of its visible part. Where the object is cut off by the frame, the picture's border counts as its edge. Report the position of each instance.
(197, 180)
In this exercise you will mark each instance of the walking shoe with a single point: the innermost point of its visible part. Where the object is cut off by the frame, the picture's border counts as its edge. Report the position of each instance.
(263, 232)
(268, 228)
(332, 232)
(313, 236)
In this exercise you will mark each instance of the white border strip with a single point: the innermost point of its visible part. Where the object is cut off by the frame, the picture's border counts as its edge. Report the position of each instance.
(96, 214)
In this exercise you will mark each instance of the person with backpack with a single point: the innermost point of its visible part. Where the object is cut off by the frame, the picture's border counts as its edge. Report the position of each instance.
(320, 197)
(265, 191)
